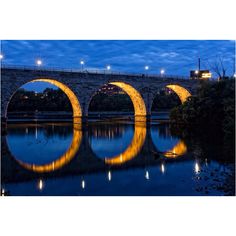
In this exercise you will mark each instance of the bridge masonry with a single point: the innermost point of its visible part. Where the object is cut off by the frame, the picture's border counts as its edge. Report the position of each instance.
(85, 84)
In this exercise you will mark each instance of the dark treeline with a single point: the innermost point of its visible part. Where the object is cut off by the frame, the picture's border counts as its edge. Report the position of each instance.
(48, 100)
(212, 110)
(56, 100)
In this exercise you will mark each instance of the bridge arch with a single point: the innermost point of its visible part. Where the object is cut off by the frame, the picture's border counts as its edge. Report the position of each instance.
(181, 92)
(77, 112)
(133, 93)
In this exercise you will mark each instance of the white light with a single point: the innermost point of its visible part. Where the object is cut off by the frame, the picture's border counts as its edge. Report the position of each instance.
(162, 168)
(108, 67)
(235, 75)
(40, 185)
(196, 168)
(39, 62)
(83, 184)
(146, 175)
(196, 72)
(162, 72)
(1, 56)
(109, 175)
(3, 192)
(82, 62)
(146, 67)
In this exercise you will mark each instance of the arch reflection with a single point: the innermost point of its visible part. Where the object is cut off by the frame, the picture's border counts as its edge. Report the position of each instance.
(62, 160)
(178, 150)
(135, 145)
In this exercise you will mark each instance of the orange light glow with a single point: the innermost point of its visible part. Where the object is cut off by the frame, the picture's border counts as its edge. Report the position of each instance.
(134, 147)
(64, 159)
(178, 150)
(182, 93)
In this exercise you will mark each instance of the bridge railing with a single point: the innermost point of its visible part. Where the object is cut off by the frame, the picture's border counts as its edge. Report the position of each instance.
(93, 71)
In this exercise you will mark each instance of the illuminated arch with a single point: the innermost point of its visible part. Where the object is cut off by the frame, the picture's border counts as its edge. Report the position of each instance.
(178, 150)
(134, 147)
(182, 92)
(64, 159)
(135, 96)
(77, 112)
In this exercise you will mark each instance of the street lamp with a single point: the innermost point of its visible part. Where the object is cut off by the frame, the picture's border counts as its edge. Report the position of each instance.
(146, 67)
(162, 72)
(234, 75)
(39, 62)
(82, 64)
(1, 56)
(108, 67)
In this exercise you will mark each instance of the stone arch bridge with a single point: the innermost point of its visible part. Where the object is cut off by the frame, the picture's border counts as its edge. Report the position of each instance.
(80, 86)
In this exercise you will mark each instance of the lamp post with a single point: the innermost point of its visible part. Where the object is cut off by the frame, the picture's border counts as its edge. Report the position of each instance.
(39, 62)
(82, 64)
(162, 72)
(197, 73)
(146, 68)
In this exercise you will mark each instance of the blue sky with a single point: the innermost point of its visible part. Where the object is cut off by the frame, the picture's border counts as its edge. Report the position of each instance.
(177, 57)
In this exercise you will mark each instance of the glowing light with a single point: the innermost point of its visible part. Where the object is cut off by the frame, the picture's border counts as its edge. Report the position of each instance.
(147, 175)
(197, 168)
(162, 168)
(162, 72)
(83, 184)
(178, 150)
(81, 62)
(196, 72)
(65, 158)
(108, 67)
(135, 96)
(182, 93)
(3, 192)
(109, 175)
(134, 147)
(1, 56)
(77, 112)
(206, 75)
(40, 185)
(235, 75)
(39, 62)
(146, 67)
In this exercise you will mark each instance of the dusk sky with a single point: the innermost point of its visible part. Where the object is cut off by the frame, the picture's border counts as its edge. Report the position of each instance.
(175, 57)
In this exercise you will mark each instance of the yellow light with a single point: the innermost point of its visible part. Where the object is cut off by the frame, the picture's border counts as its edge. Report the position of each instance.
(135, 96)
(65, 158)
(77, 112)
(182, 93)
(178, 150)
(134, 147)
(206, 75)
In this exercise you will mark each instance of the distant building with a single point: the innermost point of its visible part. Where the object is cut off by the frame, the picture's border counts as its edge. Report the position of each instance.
(200, 74)
(110, 89)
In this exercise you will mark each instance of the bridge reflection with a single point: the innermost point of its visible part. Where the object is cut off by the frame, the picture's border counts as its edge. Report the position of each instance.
(64, 159)
(139, 152)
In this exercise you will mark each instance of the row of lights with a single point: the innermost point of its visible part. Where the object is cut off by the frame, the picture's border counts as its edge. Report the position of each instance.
(82, 63)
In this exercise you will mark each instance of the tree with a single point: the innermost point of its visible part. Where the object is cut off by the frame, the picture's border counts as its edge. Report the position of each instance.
(218, 67)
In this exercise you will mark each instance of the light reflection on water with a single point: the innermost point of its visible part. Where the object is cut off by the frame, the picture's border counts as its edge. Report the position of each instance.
(138, 154)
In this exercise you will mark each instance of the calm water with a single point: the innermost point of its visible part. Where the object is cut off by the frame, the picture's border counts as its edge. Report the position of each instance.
(113, 158)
